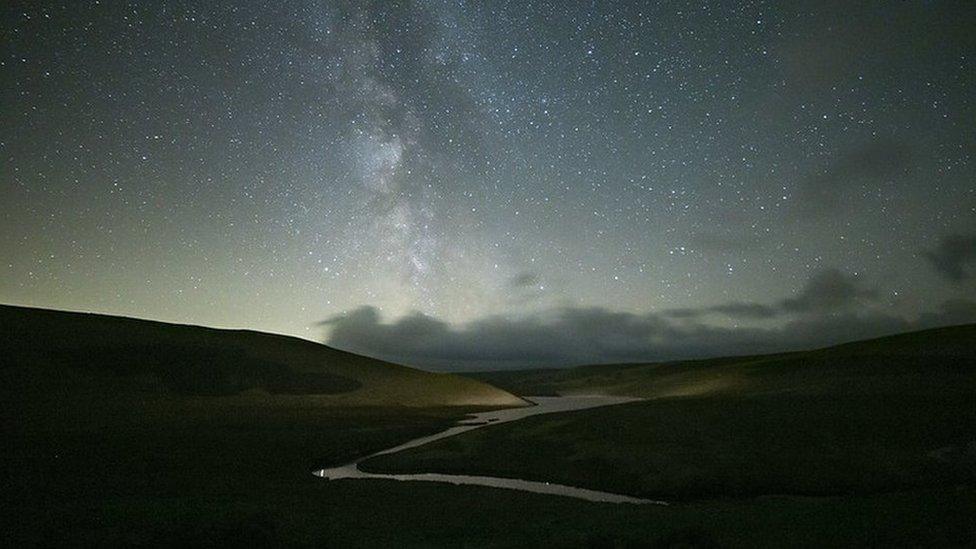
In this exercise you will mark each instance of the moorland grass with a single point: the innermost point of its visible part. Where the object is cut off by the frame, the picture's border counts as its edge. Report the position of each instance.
(695, 448)
(42, 350)
(238, 474)
(92, 456)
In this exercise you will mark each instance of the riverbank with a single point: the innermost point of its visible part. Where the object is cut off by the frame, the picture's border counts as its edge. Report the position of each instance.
(543, 405)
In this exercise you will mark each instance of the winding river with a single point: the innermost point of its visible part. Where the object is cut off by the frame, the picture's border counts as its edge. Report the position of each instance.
(543, 405)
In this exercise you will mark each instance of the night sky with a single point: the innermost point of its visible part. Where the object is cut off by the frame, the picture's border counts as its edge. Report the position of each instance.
(495, 184)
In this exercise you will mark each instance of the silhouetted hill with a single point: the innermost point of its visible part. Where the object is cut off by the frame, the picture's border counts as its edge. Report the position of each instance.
(940, 359)
(44, 350)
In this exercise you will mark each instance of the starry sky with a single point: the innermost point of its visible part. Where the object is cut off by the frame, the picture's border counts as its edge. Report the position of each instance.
(458, 184)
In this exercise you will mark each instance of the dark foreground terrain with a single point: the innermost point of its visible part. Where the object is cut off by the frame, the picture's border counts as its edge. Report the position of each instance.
(886, 427)
(105, 443)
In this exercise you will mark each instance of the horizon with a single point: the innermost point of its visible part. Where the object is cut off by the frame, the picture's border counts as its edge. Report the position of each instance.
(473, 367)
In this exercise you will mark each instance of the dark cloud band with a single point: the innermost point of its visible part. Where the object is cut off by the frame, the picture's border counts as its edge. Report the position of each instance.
(825, 312)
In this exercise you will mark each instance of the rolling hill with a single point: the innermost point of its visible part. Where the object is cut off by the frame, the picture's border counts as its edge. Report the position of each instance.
(877, 421)
(44, 352)
(936, 361)
(125, 432)
(122, 432)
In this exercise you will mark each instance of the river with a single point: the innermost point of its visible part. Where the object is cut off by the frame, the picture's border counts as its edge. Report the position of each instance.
(543, 405)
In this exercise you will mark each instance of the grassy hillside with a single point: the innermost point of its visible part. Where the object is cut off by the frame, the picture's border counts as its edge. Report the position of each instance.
(73, 354)
(931, 361)
(892, 419)
(694, 448)
(116, 452)
(128, 432)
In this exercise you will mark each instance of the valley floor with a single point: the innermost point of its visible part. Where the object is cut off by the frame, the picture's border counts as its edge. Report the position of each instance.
(239, 474)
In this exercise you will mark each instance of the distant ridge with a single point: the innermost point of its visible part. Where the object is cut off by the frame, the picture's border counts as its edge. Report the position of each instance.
(44, 348)
(925, 361)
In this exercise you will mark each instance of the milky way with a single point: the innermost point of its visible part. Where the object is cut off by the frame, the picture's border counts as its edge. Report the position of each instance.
(618, 180)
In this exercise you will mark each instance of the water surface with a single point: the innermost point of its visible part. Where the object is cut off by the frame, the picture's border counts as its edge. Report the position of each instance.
(543, 405)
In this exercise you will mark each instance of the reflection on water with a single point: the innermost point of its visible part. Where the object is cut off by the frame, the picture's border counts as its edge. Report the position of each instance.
(544, 405)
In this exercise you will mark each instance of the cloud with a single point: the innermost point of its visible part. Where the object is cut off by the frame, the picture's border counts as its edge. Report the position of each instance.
(685, 313)
(846, 42)
(558, 337)
(954, 257)
(735, 309)
(871, 164)
(952, 311)
(524, 280)
(828, 290)
(745, 310)
(821, 314)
